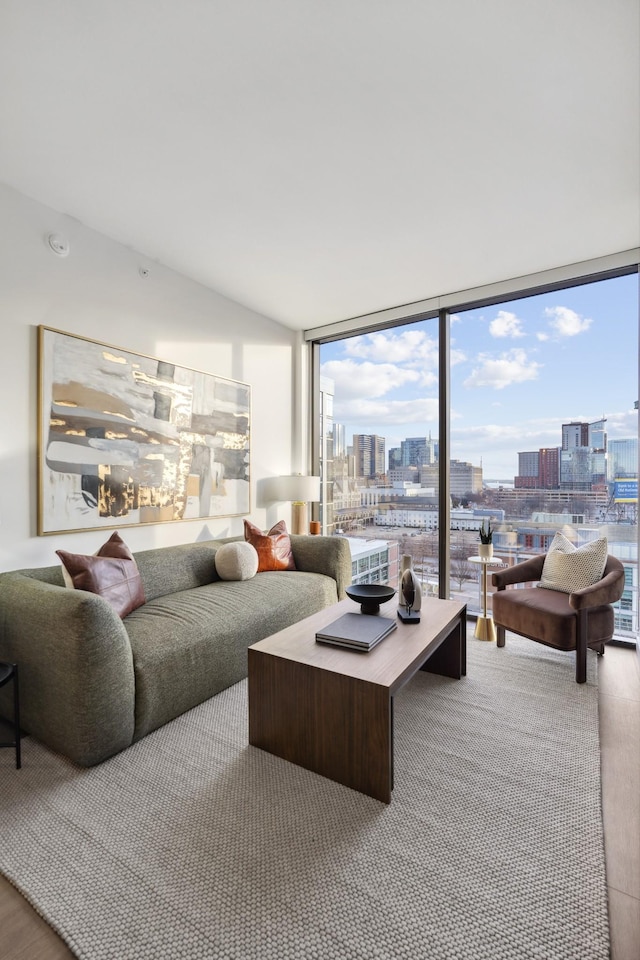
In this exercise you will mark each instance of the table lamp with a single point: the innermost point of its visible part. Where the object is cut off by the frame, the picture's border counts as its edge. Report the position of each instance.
(299, 490)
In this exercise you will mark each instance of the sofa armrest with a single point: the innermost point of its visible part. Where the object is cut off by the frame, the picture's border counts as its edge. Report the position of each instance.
(77, 687)
(328, 555)
(607, 590)
(528, 570)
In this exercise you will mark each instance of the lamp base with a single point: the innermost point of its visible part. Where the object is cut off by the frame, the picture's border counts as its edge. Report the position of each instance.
(298, 517)
(485, 629)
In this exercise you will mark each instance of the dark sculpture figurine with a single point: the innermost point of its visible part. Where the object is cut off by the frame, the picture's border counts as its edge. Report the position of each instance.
(408, 590)
(410, 597)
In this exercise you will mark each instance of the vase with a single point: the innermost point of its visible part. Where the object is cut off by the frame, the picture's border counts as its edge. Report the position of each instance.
(485, 550)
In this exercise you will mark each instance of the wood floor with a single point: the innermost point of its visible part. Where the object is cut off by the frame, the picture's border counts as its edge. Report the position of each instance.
(25, 936)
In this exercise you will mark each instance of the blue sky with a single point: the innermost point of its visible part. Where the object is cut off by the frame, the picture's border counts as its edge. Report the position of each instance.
(519, 371)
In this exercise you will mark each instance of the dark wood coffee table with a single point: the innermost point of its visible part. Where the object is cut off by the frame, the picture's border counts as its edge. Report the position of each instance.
(330, 709)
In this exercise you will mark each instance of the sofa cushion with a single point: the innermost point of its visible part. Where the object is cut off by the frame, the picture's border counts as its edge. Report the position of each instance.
(189, 646)
(274, 547)
(569, 569)
(112, 573)
(237, 561)
(185, 566)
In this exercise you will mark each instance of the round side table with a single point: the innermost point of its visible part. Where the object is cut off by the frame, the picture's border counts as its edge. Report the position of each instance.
(8, 672)
(485, 627)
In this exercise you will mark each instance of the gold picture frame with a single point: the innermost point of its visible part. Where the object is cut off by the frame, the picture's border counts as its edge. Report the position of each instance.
(126, 440)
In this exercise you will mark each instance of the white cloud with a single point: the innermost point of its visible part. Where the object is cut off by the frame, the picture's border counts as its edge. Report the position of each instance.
(375, 415)
(500, 372)
(354, 379)
(506, 324)
(429, 380)
(497, 446)
(566, 322)
(410, 346)
(621, 425)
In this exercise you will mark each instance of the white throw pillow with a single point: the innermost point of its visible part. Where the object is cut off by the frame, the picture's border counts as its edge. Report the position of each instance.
(236, 561)
(568, 568)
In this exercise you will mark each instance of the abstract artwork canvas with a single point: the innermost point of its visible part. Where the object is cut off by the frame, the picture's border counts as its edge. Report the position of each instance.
(126, 439)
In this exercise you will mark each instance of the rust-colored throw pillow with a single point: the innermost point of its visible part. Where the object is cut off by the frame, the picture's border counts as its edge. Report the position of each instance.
(111, 572)
(274, 548)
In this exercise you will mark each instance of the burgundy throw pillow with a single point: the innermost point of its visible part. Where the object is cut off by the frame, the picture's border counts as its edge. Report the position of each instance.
(274, 548)
(112, 573)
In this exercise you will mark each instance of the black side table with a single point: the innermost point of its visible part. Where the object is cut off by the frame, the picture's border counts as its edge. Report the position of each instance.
(9, 671)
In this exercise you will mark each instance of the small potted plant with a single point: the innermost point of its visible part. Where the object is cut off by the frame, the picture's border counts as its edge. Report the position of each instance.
(486, 541)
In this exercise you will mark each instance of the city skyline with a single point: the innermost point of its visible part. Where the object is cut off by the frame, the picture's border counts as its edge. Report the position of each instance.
(519, 370)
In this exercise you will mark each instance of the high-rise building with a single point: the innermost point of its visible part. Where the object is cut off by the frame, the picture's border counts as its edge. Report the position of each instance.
(583, 455)
(327, 388)
(404, 475)
(575, 469)
(549, 468)
(395, 458)
(575, 434)
(413, 451)
(528, 467)
(368, 450)
(622, 458)
(528, 463)
(418, 451)
(597, 438)
(464, 478)
(339, 440)
(598, 447)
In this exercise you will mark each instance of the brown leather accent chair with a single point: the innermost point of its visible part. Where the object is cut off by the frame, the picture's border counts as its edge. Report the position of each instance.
(566, 621)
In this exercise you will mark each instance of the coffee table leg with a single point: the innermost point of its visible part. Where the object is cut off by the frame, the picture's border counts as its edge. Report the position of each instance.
(393, 733)
(450, 658)
(334, 725)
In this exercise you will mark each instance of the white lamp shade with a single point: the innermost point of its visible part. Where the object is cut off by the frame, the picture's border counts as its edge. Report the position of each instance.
(297, 489)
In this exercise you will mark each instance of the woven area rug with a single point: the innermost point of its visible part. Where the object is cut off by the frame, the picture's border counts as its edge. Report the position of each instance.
(192, 845)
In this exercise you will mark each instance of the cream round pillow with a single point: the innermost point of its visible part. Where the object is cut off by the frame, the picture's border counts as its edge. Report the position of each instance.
(236, 561)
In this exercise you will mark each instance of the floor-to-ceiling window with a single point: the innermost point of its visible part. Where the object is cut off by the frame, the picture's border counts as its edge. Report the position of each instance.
(542, 429)
(543, 399)
(382, 390)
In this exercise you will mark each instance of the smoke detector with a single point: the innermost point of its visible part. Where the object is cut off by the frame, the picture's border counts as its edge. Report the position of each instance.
(58, 244)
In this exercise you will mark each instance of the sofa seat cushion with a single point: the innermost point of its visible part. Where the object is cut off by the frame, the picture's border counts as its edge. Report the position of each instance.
(546, 616)
(190, 645)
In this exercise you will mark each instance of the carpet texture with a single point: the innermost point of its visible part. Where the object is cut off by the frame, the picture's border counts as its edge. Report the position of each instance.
(193, 845)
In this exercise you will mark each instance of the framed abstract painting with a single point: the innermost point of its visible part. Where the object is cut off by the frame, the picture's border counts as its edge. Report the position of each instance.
(126, 439)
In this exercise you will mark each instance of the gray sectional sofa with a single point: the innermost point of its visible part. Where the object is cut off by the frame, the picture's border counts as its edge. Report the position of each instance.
(91, 683)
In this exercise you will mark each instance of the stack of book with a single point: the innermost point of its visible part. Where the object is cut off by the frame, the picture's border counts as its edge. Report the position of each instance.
(357, 631)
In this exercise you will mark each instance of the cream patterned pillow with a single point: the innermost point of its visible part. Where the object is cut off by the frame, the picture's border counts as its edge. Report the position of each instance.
(568, 568)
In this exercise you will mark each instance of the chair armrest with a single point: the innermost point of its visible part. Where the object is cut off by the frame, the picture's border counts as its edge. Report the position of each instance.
(328, 555)
(520, 573)
(607, 590)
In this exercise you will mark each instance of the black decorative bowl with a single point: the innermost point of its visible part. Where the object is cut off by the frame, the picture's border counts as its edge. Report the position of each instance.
(370, 595)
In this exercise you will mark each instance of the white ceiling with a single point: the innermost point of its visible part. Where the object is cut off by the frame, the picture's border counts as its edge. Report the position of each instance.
(321, 159)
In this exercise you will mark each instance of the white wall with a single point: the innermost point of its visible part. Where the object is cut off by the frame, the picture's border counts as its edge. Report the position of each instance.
(97, 292)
